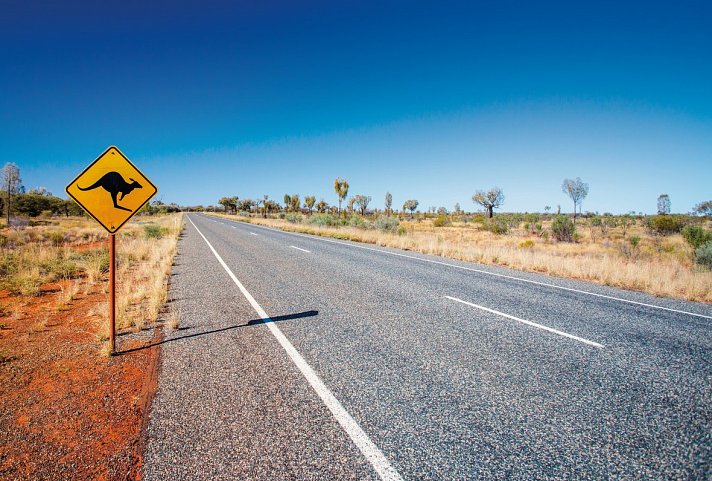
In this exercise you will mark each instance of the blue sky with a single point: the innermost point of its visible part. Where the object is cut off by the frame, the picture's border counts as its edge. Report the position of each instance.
(427, 100)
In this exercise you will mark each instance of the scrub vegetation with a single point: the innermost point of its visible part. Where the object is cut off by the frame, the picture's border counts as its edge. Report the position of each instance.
(666, 254)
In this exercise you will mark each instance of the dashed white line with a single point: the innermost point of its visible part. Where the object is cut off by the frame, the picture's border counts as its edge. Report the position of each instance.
(529, 323)
(300, 249)
(505, 276)
(252, 233)
(370, 451)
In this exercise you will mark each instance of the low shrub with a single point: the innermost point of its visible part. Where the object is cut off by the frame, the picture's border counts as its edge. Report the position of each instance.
(696, 236)
(357, 221)
(387, 224)
(323, 220)
(153, 231)
(441, 221)
(703, 255)
(293, 218)
(665, 224)
(527, 244)
(497, 226)
(563, 228)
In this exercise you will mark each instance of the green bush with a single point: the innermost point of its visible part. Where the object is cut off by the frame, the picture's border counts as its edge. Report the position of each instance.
(323, 220)
(357, 221)
(696, 236)
(497, 226)
(152, 231)
(563, 228)
(441, 221)
(293, 218)
(665, 224)
(387, 224)
(703, 255)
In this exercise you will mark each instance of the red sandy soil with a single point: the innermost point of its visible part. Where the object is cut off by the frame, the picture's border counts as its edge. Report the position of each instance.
(66, 410)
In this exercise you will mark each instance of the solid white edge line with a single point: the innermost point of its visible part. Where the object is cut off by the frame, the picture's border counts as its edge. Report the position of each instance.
(370, 451)
(530, 323)
(300, 249)
(570, 289)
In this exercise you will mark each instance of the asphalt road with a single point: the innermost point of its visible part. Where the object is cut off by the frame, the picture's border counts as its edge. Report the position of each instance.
(394, 365)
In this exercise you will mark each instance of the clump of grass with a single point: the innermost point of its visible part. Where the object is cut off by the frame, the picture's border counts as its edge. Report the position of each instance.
(174, 317)
(153, 231)
(5, 357)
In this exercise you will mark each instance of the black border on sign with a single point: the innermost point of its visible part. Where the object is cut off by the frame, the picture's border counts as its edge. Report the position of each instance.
(66, 189)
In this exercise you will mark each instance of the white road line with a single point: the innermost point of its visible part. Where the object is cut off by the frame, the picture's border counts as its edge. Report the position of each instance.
(252, 233)
(530, 323)
(554, 286)
(370, 451)
(299, 249)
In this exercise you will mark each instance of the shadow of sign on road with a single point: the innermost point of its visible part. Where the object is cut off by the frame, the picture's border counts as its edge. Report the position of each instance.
(253, 322)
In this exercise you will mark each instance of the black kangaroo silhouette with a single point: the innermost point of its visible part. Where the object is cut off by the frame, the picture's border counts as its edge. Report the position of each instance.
(114, 184)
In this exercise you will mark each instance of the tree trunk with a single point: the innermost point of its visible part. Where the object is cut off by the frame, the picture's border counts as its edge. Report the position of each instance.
(490, 211)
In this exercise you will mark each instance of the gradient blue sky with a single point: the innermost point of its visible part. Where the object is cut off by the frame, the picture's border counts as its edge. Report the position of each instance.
(429, 100)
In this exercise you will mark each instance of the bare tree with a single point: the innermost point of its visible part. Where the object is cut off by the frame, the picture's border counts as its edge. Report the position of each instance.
(577, 190)
(664, 204)
(341, 187)
(11, 181)
(490, 200)
(309, 201)
(389, 203)
(362, 201)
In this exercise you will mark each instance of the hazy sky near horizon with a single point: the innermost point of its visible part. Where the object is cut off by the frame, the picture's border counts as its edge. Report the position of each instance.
(427, 100)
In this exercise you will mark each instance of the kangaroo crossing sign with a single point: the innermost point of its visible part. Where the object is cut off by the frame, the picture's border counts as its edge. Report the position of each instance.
(111, 189)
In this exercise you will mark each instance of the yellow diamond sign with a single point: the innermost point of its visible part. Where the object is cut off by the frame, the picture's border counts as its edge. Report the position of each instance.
(111, 189)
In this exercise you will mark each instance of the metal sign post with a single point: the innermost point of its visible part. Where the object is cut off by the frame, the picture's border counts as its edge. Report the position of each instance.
(112, 293)
(111, 190)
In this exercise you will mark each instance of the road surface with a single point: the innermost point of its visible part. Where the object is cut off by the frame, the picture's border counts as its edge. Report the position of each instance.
(302, 357)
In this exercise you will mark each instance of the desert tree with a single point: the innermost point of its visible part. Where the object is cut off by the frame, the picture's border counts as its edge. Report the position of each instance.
(490, 200)
(341, 187)
(410, 205)
(547, 208)
(228, 203)
(388, 203)
(457, 208)
(263, 201)
(322, 206)
(309, 201)
(703, 208)
(294, 202)
(362, 201)
(577, 190)
(350, 204)
(442, 211)
(271, 206)
(664, 204)
(287, 201)
(11, 184)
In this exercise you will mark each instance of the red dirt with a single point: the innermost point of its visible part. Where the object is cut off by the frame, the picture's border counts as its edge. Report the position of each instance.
(67, 411)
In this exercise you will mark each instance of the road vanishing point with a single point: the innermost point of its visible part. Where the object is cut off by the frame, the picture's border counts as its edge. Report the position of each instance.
(309, 358)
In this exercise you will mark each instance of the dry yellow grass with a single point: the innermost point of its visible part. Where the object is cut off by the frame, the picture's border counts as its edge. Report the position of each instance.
(74, 252)
(661, 266)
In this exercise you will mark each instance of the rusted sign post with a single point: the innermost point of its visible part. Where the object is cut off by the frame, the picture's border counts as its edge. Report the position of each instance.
(111, 190)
